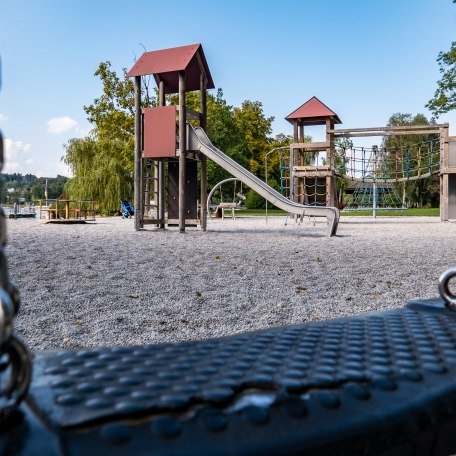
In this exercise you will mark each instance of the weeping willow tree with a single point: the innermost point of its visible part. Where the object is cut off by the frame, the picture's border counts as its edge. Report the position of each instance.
(103, 163)
(102, 171)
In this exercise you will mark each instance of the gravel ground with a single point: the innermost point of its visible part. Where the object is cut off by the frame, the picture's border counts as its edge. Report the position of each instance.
(105, 284)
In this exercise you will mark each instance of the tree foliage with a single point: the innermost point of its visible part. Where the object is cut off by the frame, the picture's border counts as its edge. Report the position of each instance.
(31, 188)
(444, 99)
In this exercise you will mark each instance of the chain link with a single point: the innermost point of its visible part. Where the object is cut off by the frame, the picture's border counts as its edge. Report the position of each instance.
(15, 363)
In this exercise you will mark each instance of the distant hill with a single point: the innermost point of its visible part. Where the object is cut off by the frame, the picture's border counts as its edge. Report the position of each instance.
(31, 187)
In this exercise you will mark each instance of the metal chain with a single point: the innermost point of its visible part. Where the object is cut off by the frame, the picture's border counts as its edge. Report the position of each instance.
(15, 363)
(444, 287)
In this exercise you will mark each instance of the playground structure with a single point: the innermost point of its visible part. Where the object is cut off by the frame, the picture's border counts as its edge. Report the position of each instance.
(166, 142)
(171, 144)
(312, 183)
(160, 140)
(373, 170)
(67, 211)
(221, 206)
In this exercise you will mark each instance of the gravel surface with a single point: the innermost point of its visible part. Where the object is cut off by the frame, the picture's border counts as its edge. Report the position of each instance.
(105, 284)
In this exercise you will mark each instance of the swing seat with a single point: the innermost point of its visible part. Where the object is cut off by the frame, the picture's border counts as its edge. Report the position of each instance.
(377, 384)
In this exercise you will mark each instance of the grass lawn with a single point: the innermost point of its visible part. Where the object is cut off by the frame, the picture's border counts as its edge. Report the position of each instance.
(414, 212)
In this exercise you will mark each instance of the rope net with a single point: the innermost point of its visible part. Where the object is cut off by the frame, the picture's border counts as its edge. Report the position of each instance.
(368, 195)
(393, 164)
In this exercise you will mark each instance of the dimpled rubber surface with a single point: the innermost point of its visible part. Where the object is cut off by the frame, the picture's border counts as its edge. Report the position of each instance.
(382, 383)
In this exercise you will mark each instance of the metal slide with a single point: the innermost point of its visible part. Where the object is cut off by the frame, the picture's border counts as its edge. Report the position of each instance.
(198, 140)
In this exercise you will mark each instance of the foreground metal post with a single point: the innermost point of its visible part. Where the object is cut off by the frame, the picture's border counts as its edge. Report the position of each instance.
(15, 366)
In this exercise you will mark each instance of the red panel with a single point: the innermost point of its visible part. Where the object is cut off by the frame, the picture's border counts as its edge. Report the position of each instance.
(159, 132)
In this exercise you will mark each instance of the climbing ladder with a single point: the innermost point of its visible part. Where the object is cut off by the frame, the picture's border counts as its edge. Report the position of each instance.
(150, 190)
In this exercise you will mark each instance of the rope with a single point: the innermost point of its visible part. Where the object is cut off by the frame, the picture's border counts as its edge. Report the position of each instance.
(397, 164)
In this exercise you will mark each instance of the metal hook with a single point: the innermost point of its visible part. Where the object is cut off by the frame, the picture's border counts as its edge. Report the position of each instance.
(444, 289)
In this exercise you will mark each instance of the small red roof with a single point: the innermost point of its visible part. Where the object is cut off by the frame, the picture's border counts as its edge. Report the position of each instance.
(313, 112)
(166, 64)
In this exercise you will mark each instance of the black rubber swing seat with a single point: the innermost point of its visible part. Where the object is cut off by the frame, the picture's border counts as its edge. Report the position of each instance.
(380, 383)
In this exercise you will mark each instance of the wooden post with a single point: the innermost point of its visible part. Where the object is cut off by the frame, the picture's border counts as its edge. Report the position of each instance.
(302, 160)
(330, 179)
(138, 154)
(183, 148)
(203, 124)
(444, 178)
(292, 163)
(146, 185)
(161, 167)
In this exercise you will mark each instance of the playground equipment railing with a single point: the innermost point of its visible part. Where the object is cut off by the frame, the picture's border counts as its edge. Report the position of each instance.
(10, 210)
(66, 209)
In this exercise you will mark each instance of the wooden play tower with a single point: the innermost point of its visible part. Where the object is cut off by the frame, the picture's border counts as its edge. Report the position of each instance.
(166, 173)
(312, 183)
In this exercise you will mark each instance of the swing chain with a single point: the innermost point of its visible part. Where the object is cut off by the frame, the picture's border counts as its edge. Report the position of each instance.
(15, 360)
(444, 288)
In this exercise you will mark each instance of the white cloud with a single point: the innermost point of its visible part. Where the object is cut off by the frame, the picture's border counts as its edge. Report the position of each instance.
(3, 118)
(21, 157)
(52, 169)
(16, 155)
(83, 132)
(59, 125)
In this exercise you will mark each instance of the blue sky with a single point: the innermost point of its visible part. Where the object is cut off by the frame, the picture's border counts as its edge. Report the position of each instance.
(364, 59)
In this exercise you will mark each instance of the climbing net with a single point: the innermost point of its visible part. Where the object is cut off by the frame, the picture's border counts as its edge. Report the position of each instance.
(392, 164)
(313, 192)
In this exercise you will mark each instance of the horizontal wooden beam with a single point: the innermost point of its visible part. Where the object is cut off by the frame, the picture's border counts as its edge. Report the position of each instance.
(313, 174)
(408, 127)
(312, 146)
(448, 170)
(152, 221)
(311, 168)
(386, 133)
(188, 222)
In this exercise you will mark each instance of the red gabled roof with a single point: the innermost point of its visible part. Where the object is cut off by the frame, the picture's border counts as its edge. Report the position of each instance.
(313, 112)
(166, 64)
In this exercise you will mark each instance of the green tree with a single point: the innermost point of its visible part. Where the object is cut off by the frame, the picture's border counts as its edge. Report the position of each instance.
(444, 99)
(255, 129)
(32, 187)
(112, 114)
